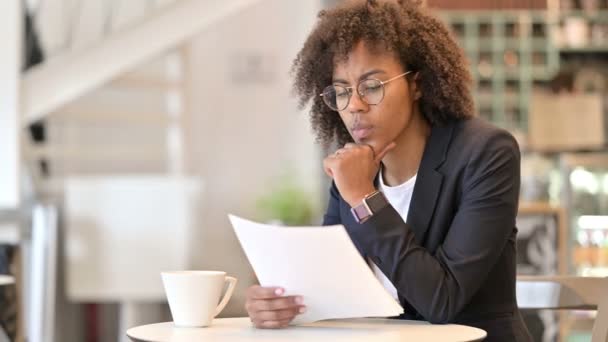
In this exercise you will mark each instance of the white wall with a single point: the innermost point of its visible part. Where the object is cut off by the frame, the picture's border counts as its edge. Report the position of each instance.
(246, 129)
(10, 69)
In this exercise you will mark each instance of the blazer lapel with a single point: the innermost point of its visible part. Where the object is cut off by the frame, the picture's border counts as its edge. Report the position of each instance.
(428, 181)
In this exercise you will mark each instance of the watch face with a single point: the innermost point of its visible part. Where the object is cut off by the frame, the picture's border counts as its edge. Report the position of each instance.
(370, 205)
(361, 213)
(376, 201)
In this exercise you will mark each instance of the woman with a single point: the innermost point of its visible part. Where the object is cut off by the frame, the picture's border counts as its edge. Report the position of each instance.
(427, 192)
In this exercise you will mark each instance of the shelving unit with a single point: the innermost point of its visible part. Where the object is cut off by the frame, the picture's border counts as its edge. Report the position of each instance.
(509, 51)
(582, 31)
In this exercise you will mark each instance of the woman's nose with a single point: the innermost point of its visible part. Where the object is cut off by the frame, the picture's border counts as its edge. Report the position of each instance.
(356, 104)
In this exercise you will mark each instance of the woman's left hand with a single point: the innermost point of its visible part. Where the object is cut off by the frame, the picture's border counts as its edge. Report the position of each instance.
(353, 169)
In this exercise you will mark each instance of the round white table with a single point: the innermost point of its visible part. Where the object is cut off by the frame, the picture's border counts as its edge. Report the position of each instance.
(352, 330)
(6, 280)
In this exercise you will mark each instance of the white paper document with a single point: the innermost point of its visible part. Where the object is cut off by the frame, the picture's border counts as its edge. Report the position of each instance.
(319, 263)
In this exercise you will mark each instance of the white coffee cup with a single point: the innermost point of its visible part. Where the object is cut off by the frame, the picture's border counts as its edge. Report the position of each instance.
(193, 296)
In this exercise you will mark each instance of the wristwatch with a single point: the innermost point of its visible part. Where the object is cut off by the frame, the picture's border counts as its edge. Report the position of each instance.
(370, 205)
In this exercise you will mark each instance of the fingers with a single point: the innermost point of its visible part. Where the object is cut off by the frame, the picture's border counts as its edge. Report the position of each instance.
(381, 155)
(349, 147)
(346, 148)
(269, 309)
(280, 303)
(275, 319)
(279, 315)
(330, 161)
(259, 292)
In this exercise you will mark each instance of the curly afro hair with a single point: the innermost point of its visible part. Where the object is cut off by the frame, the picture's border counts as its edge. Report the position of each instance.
(420, 41)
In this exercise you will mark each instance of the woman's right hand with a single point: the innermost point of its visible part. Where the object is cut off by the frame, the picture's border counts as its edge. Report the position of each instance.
(269, 309)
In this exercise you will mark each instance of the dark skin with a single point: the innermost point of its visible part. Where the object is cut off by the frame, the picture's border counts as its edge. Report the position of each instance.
(269, 309)
(393, 133)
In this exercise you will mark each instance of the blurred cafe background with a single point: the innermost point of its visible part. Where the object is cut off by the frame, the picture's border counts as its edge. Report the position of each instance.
(130, 129)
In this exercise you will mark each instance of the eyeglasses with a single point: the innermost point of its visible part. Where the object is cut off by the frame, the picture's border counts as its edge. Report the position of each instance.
(370, 91)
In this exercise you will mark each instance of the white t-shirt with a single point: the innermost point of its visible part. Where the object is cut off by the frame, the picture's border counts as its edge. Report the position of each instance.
(399, 197)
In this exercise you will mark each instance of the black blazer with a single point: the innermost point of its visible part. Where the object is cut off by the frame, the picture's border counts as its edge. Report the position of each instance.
(454, 259)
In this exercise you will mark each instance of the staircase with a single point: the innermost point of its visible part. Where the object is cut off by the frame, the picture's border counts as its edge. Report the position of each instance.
(83, 65)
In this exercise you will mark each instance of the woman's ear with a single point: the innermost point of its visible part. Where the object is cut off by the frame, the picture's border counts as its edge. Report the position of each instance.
(415, 86)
